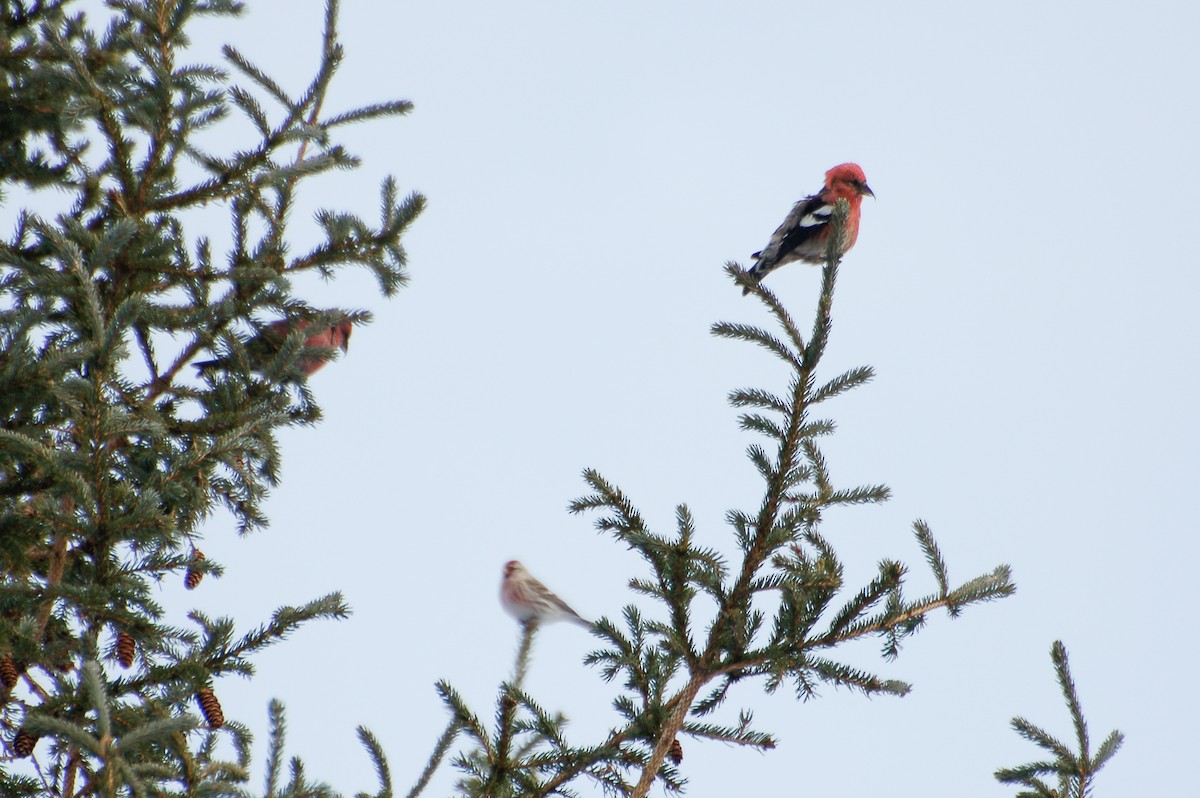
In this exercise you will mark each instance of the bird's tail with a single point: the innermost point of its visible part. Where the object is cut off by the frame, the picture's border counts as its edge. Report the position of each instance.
(584, 622)
(756, 272)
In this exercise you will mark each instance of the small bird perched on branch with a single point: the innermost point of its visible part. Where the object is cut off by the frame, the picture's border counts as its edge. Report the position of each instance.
(264, 346)
(804, 234)
(528, 600)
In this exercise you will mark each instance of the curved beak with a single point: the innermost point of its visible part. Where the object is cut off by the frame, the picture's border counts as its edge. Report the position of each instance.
(865, 189)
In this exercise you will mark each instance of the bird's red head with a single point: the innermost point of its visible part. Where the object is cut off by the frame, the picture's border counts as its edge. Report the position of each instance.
(511, 566)
(849, 178)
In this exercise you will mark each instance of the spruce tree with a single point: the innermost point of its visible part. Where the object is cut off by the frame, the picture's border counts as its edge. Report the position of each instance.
(113, 450)
(772, 615)
(114, 453)
(775, 613)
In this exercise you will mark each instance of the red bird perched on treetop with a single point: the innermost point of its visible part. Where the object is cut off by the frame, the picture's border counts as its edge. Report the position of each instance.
(529, 601)
(266, 344)
(805, 232)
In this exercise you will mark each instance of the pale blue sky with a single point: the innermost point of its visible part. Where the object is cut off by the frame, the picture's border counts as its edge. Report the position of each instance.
(1024, 285)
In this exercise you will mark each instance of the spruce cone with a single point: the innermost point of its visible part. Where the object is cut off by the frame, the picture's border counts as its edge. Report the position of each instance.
(193, 577)
(8, 672)
(126, 648)
(676, 752)
(23, 743)
(211, 708)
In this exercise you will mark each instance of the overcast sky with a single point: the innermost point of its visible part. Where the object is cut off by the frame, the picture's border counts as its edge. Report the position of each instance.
(1024, 285)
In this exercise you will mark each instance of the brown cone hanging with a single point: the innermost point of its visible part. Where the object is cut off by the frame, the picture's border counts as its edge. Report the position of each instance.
(193, 577)
(675, 754)
(211, 708)
(23, 743)
(126, 648)
(8, 672)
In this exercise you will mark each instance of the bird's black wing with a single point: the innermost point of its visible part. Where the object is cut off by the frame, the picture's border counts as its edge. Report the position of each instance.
(808, 217)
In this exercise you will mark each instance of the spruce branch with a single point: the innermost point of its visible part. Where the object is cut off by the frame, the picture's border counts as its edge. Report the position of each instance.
(112, 759)
(435, 759)
(528, 630)
(785, 522)
(276, 735)
(379, 760)
(1075, 769)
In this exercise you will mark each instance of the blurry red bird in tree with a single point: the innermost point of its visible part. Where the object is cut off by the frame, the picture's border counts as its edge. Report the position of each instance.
(529, 601)
(266, 345)
(804, 234)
